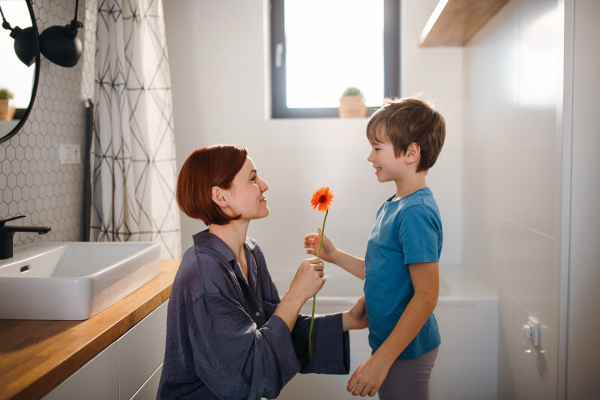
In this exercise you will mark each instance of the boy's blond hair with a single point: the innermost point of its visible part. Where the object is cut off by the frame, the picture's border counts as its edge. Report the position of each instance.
(405, 121)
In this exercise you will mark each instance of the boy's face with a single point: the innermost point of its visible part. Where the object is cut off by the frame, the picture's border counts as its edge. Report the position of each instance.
(387, 166)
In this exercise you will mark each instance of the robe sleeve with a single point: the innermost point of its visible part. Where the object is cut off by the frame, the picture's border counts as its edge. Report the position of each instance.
(330, 345)
(234, 358)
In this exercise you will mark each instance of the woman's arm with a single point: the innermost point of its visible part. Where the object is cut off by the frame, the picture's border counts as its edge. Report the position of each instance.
(307, 282)
(370, 375)
(330, 253)
(356, 317)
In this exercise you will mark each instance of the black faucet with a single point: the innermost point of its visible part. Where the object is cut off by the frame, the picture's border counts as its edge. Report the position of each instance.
(7, 232)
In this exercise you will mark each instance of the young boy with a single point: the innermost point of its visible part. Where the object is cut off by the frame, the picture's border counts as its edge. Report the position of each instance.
(400, 268)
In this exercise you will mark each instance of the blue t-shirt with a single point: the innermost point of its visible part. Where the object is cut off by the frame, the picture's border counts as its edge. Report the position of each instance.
(406, 231)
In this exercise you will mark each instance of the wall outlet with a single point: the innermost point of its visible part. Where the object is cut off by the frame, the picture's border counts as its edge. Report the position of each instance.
(531, 334)
(70, 154)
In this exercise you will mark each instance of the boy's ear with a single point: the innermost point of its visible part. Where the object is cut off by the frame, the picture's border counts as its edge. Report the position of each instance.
(219, 196)
(413, 153)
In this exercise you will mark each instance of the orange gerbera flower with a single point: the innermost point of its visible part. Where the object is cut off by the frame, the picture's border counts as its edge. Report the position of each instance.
(322, 199)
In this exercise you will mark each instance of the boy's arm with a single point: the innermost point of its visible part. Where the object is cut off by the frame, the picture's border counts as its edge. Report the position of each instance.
(369, 376)
(352, 264)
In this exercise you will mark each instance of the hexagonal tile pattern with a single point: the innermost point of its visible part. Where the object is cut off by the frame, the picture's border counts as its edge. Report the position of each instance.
(32, 180)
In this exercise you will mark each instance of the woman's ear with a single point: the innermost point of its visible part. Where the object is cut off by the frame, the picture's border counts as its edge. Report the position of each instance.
(219, 196)
(413, 153)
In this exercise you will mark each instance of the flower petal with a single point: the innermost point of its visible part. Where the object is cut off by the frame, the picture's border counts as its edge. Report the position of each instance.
(322, 199)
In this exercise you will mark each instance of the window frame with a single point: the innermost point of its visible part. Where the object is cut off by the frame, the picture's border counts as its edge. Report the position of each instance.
(391, 62)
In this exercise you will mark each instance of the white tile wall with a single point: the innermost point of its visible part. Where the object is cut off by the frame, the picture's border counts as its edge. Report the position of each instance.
(449, 385)
(32, 180)
(581, 247)
(513, 91)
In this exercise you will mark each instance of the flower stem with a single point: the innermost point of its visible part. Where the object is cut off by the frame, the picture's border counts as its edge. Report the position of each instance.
(312, 318)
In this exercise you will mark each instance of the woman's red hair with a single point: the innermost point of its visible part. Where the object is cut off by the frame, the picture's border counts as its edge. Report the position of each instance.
(204, 168)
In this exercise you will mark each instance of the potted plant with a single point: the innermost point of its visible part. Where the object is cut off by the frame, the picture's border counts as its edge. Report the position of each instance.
(352, 104)
(6, 108)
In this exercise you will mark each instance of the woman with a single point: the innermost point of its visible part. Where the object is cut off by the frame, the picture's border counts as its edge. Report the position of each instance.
(229, 335)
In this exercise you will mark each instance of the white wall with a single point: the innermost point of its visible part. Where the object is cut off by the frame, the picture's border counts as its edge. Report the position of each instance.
(512, 182)
(583, 86)
(219, 78)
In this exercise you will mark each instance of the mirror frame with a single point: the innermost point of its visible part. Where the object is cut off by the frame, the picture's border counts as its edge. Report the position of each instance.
(36, 78)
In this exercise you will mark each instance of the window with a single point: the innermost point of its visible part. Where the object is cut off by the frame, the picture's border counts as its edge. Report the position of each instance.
(321, 47)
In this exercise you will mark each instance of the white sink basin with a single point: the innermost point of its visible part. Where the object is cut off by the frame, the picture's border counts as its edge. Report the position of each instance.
(73, 280)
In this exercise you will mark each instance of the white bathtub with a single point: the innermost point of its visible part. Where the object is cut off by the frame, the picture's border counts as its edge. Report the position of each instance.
(467, 315)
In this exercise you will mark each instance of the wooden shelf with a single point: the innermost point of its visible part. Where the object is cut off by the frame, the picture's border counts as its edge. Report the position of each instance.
(455, 22)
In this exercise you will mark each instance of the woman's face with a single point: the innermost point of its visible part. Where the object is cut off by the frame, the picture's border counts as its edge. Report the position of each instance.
(247, 193)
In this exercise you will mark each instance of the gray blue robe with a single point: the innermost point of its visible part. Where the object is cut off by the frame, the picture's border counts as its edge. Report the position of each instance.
(223, 340)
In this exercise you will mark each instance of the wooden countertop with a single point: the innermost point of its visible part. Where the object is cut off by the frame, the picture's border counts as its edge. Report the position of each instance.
(35, 356)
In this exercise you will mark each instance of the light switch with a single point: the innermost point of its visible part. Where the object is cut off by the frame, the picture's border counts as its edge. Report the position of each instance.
(70, 154)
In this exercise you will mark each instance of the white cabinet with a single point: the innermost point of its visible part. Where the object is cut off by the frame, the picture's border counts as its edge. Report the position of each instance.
(96, 380)
(150, 388)
(129, 368)
(141, 352)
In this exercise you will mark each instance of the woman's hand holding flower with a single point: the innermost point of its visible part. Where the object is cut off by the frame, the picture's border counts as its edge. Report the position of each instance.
(309, 279)
(307, 282)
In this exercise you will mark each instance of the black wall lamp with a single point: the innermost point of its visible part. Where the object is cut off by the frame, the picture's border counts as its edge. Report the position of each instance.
(24, 41)
(60, 44)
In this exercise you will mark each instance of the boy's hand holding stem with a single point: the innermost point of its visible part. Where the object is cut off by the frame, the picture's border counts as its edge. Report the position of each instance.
(331, 254)
(356, 317)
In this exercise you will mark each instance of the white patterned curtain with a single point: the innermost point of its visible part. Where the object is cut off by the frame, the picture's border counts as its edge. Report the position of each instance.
(133, 149)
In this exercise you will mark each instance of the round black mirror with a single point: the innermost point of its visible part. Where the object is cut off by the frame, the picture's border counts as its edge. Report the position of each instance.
(20, 66)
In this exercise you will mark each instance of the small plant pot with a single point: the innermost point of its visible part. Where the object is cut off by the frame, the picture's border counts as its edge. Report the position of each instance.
(352, 107)
(6, 110)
